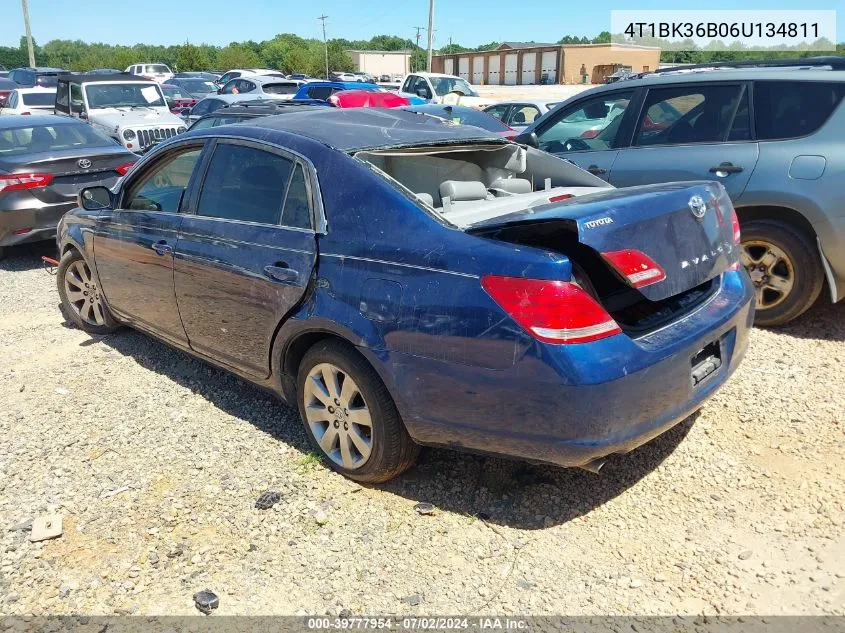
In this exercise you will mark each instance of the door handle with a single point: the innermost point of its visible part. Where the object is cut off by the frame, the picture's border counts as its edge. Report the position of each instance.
(162, 248)
(280, 271)
(725, 168)
(596, 170)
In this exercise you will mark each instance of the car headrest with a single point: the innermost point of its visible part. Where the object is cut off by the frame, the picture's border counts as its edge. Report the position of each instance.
(512, 185)
(425, 198)
(519, 118)
(457, 190)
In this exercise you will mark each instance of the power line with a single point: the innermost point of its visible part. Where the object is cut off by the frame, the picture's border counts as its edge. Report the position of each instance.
(325, 42)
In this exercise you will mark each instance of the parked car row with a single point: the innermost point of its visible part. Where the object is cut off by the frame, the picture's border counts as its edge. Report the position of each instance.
(406, 279)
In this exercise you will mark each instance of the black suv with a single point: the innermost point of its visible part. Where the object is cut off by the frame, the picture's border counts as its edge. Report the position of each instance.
(243, 110)
(32, 77)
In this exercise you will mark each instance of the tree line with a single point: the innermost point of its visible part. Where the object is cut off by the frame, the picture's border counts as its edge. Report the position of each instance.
(293, 54)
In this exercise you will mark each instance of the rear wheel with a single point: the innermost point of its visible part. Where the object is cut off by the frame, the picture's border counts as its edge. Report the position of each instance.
(82, 299)
(785, 268)
(349, 415)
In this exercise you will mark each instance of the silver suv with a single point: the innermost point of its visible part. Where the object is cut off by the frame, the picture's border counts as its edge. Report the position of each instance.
(773, 133)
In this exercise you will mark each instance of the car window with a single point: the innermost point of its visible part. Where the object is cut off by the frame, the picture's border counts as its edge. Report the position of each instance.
(162, 189)
(13, 99)
(123, 95)
(76, 103)
(498, 111)
(741, 127)
(204, 123)
(280, 89)
(39, 98)
(320, 92)
(790, 109)
(297, 209)
(202, 107)
(422, 89)
(47, 81)
(524, 114)
(157, 68)
(683, 115)
(247, 86)
(229, 87)
(68, 135)
(245, 184)
(408, 86)
(591, 124)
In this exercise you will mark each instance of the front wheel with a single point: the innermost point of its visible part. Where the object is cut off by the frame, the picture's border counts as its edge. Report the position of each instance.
(785, 268)
(349, 415)
(82, 299)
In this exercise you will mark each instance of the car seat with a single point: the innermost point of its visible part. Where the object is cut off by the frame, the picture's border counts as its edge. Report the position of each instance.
(41, 141)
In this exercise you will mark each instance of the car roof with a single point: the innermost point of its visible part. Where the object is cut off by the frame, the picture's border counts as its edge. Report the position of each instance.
(428, 74)
(42, 69)
(345, 85)
(269, 79)
(350, 129)
(35, 89)
(103, 78)
(13, 122)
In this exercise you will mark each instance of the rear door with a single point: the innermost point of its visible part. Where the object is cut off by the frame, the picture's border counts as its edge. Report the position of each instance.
(588, 132)
(246, 254)
(691, 131)
(133, 246)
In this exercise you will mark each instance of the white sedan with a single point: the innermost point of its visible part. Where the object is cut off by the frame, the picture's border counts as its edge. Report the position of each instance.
(30, 101)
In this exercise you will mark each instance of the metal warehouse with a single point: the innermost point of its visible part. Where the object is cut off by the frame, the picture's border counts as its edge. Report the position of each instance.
(381, 62)
(526, 63)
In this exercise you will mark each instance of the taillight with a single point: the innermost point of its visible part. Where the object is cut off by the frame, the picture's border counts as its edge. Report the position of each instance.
(637, 267)
(17, 182)
(552, 311)
(122, 169)
(590, 133)
(735, 225)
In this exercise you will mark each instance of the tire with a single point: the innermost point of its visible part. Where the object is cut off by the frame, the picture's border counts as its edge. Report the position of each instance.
(391, 449)
(796, 260)
(82, 302)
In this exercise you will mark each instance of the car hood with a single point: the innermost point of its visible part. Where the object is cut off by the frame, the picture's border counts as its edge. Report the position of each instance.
(456, 99)
(126, 117)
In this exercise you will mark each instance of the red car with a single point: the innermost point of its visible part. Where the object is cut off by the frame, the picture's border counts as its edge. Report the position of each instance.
(367, 99)
(177, 98)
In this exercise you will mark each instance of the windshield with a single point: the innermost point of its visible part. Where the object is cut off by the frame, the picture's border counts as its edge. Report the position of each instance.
(119, 95)
(445, 85)
(156, 68)
(200, 86)
(47, 81)
(174, 93)
(39, 98)
(50, 138)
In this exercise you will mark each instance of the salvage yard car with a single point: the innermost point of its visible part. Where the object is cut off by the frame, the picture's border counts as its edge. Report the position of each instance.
(44, 162)
(772, 132)
(406, 281)
(131, 110)
(440, 88)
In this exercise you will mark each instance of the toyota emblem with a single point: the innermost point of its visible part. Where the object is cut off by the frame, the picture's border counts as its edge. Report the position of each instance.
(697, 206)
(84, 163)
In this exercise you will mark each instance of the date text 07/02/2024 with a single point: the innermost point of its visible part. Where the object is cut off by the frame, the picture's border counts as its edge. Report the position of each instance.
(418, 624)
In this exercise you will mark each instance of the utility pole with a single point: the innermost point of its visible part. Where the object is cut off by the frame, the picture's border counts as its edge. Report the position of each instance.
(25, 4)
(419, 28)
(430, 31)
(323, 18)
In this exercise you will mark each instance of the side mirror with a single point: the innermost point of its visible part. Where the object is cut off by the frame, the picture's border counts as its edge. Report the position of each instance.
(185, 112)
(83, 115)
(422, 92)
(220, 90)
(528, 138)
(95, 198)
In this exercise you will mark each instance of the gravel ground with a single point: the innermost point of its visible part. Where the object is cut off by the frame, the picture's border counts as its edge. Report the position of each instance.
(155, 462)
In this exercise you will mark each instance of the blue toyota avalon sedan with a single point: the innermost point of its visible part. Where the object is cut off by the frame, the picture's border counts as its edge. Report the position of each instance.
(406, 281)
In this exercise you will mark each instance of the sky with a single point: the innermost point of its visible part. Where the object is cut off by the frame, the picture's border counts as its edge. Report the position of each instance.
(218, 22)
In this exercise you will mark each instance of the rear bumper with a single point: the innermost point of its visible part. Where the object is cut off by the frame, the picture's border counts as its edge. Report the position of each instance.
(569, 405)
(31, 223)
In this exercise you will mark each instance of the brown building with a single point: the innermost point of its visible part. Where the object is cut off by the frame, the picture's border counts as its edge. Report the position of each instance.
(525, 63)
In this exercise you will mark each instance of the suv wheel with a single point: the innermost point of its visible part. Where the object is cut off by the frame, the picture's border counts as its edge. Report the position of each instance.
(785, 268)
(349, 415)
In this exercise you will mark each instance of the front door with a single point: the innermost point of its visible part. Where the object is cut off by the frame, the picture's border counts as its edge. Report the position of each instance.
(691, 132)
(133, 247)
(245, 257)
(588, 131)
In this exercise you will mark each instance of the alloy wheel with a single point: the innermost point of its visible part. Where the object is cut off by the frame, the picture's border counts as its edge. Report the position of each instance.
(771, 270)
(82, 293)
(338, 416)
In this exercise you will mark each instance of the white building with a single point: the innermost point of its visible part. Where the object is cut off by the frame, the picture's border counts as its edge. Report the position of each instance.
(382, 62)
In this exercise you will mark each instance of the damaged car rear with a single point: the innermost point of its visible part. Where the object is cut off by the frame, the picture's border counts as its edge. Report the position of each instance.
(449, 288)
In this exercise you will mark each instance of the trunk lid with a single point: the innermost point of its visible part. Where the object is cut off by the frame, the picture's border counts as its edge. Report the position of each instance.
(661, 221)
(68, 175)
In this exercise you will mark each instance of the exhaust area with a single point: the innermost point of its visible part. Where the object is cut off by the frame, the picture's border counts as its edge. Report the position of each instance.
(594, 466)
